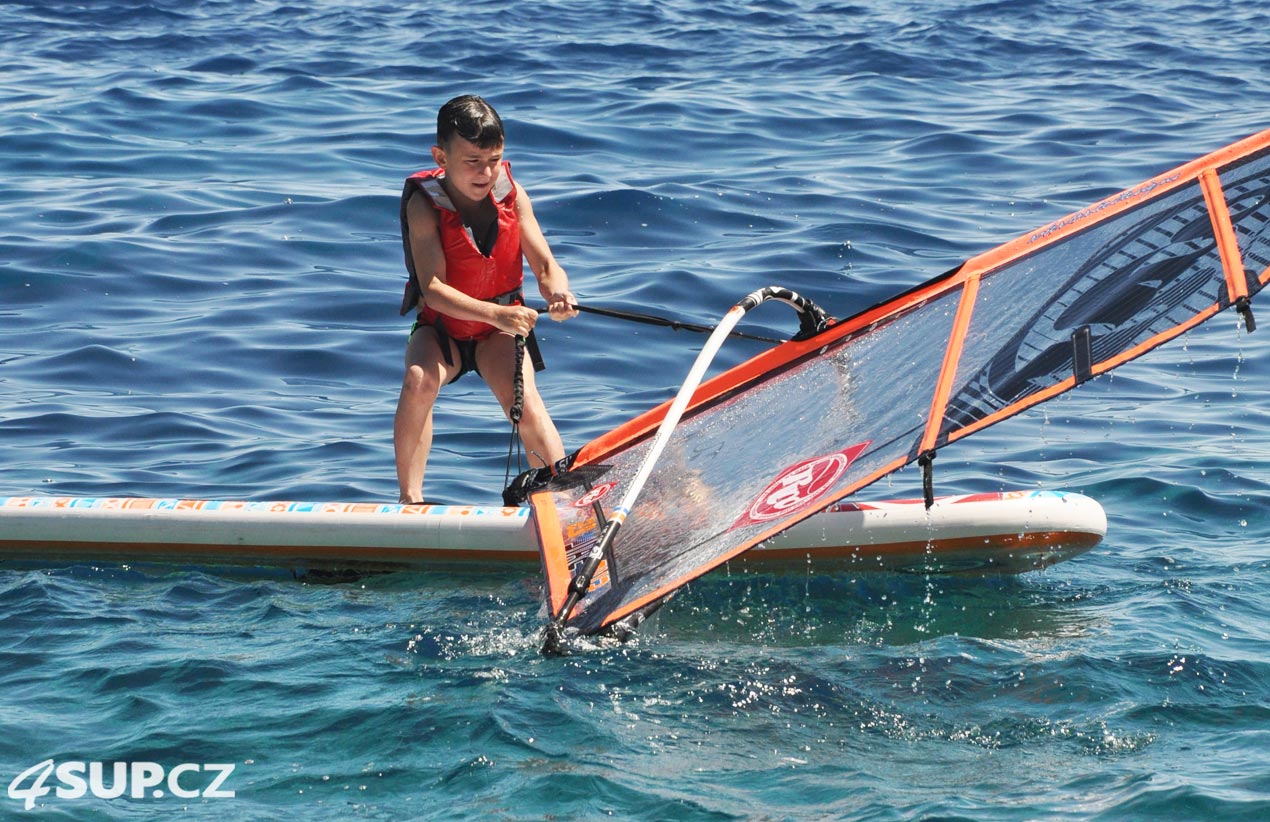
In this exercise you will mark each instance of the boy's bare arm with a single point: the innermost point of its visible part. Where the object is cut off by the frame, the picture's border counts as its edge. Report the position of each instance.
(553, 282)
(425, 242)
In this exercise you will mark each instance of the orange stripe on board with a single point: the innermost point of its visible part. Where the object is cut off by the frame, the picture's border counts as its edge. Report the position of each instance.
(980, 544)
(59, 550)
(952, 357)
(1232, 261)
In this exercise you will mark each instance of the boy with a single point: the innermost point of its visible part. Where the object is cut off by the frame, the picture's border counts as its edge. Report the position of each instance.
(465, 227)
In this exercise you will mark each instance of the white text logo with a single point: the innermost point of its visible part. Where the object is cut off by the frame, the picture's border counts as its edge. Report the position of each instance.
(138, 780)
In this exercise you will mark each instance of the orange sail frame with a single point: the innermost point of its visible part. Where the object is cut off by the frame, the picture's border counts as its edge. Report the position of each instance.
(1143, 250)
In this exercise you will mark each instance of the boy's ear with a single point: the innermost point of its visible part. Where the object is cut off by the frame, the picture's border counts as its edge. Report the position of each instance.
(438, 156)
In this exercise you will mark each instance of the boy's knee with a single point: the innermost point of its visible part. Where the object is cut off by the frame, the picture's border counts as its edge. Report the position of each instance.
(420, 383)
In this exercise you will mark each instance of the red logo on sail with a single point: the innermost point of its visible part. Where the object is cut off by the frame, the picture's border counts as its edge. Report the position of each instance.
(596, 494)
(800, 485)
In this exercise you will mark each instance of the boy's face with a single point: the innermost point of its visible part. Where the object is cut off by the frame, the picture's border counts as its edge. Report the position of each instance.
(470, 170)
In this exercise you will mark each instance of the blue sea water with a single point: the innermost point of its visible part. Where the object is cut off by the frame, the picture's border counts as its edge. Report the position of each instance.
(199, 275)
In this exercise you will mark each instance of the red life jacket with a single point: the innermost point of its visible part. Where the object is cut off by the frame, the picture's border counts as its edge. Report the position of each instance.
(492, 277)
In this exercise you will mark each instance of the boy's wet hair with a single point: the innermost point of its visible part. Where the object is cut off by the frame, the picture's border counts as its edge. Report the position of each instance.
(471, 118)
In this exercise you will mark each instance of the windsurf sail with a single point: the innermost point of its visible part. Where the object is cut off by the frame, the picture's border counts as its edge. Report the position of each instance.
(772, 441)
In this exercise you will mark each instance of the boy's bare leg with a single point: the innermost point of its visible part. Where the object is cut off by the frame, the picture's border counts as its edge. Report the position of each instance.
(426, 372)
(496, 357)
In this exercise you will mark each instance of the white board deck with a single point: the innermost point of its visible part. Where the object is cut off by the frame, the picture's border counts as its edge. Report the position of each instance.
(1008, 532)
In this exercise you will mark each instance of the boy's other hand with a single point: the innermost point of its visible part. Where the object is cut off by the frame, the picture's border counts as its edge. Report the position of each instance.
(561, 306)
(517, 320)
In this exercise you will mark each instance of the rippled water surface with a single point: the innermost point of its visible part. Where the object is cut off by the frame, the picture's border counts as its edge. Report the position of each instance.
(199, 274)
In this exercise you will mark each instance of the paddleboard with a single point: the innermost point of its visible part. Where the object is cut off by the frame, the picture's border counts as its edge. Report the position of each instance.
(1008, 532)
